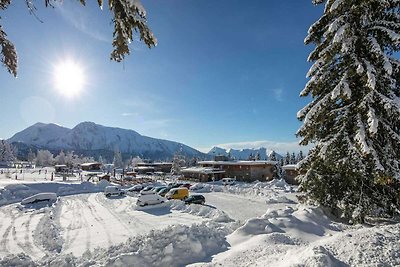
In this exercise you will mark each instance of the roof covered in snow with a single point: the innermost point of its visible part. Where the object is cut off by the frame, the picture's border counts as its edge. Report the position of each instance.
(241, 162)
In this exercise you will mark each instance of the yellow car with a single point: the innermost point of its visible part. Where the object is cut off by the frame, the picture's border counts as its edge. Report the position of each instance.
(178, 193)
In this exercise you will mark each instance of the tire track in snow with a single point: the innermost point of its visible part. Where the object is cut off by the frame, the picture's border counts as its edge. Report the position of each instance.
(97, 218)
(75, 223)
(5, 241)
(126, 223)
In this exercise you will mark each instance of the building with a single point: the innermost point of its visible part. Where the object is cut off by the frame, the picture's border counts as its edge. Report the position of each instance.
(155, 166)
(249, 171)
(290, 173)
(91, 166)
(203, 174)
(61, 168)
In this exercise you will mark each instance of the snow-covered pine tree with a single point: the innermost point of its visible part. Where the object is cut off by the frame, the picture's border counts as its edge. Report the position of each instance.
(293, 158)
(287, 158)
(118, 162)
(60, 158)
(299, 156)
(272, 156)
(31, 156)
(354, 116)
(8, 152)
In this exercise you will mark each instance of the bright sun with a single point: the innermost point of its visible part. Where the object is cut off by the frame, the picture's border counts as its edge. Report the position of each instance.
(69, 78)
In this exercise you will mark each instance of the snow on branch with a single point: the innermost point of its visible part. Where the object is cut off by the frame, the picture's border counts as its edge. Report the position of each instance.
(342, 87)
(371, 83)
(361, 137)
(377, 50)
(372, 122)
(393, 36)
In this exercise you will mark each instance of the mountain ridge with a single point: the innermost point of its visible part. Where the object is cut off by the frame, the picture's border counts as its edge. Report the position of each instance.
(88, 136)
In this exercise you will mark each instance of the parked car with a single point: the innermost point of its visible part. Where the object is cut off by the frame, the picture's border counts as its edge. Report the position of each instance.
(187, 185)
(197, 186)
(148, 188)
(228, 181)
(135, 188)
(149, 198)
(113, 191)
(158, 188)
(195, 199)
(164, 191)
(39, 197)
(178, 193)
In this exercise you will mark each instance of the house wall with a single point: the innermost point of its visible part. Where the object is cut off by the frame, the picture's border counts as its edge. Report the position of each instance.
(290, 176)
(247, 173)
(203, 177)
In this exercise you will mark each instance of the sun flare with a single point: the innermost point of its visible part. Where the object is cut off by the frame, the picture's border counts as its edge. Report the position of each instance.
(69, 78)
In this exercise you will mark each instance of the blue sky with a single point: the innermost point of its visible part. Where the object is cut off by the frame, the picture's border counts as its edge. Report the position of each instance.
(224, 72)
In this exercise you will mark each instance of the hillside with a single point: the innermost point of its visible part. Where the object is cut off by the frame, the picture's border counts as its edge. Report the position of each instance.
(93, 139)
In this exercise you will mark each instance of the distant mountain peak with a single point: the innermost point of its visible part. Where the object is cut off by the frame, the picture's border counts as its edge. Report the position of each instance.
(88, 136)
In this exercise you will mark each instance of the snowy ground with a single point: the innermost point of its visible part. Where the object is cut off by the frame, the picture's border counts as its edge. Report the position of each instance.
(259, 224)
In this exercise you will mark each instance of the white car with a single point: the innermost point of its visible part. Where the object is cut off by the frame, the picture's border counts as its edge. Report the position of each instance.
(135, 188)
(149, 198)
(39, 197)
(113, 191)
(228, 181)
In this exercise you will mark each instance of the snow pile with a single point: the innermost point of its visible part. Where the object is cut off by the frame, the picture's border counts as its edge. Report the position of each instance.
(176, 245)
(276, 198)
(275, 184)
(48, 231)
(201, 210)
(21, 260)
(16, 192)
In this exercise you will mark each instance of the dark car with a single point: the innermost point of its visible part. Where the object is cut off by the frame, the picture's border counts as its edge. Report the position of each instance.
(195, 199)
(164, 191)
(148, 188)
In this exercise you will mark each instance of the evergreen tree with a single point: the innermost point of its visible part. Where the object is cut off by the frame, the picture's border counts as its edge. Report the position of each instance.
(31, 156)
(287, 158)
(354, 116)
(272, 156)
(299, 157)
(293, 158)
(60, 158)
(44, 158)
(118, 163)
(7, 151)
(177, 163)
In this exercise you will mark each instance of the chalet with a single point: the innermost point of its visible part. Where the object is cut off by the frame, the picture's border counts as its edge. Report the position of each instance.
(91, 166)
(203, 174)
(61, 168)
(156, 166)
(290, 173)
(144, 169)
(248, 171)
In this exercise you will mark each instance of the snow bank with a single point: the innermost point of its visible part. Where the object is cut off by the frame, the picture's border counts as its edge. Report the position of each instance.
(47, 234)
(176, 245)
(306, 223)
(260, 189)
(21, 260)
(201, 210)
(16, 192)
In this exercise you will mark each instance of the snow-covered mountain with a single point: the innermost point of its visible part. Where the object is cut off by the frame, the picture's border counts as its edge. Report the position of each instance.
(243, 154)
(88, 136)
